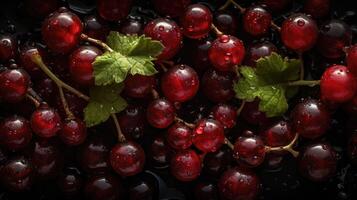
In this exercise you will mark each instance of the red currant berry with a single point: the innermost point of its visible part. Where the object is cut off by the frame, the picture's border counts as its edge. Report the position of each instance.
(338, 84)
(334, 36)
(168, 33)
(80, 65)
(196, 21)
(226, 52)
(239, 184)
(179, 136)
(8, 48)
(160, 153)
(114, 10)
(25, 59)
(218, 86)
(352, 148)
(257, 51)
(95, 27)
(171, 8)
(217, 162)
(133, 122)
(249, 150)
(225, 114)
(139, 86)
(61, 31)
(252, 114)
(226, 22)
(317, 162)
(317, 8)
(208, 135)
(310, 118)
(75, 104)
(131, 26)
(13, 85)
(180, 83)
(299, 32)
(17, 174)
(186, 165)
(351, 59)
(277, 135)
(160, 113)
(73, 132)
(70, 183)
(45, 121)
(103, 187)
(15, 133)
(127, 159)
(256, 20)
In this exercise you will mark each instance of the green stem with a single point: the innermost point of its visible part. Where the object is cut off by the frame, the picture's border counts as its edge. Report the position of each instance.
(121, 136)
(225, 5)
(36, 58)
(68, 111)
(228, 143)
(97, 42)
(309, 83)
(240, 8)
(216, 30)
(288, 147)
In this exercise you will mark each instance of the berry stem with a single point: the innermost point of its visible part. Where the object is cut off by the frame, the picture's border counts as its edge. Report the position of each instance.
(225, 6)
(177, 119)
(288, 147)
(33, 94)
(228, 143)
(216, 30)
(310, 83)
(121, 136)
(36, 58)
(97, 42)
(240, 8)
(155, 94)
(65, 104)
(241, 108)
(275, 26)
(33, 100)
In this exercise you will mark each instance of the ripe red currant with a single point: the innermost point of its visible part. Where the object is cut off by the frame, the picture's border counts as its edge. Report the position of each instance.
(217, 86)
(226, 22)
(160, 113)
(186, 165)
(45, 121)
(249, 150)
(256, 20)
(179, 136)
(351, 59)
(225, 114)
(139, 86)
(257, 51)
(15, 133)
(196, 21)
(95, 27)
(73, 132)
(208, 135)
(114, 10)
(278, 134)
(8, 48)
(13, 85)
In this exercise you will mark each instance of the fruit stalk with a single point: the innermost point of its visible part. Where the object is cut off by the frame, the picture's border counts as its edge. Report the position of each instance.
(288, 147)
(97, 42)
(65, 104)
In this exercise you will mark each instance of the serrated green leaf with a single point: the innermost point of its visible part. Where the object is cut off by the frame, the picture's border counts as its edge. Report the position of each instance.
(104, 101)
(267, 82)
(132, 55)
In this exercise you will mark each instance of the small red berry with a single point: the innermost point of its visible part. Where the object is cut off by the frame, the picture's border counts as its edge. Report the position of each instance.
(225, 114)
(179, 136)
(13, 85)
(186, 165)
(139, 86)
(114, 10)
(208, 135)
(196, 21)
(249, 150)
(15, 133)
(160, 113)
(256, 20)
(73, 132)
(45, 121)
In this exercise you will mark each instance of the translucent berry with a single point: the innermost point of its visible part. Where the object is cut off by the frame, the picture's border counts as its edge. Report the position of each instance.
(160, 113)
(13, 85)
(257, 51)
(179, 136)
(208, 135)
(15, 133)
(114, 10)
(139, 86)
(196, 21)
(73, 132)
(225, 114)
(186, 165)
(256, 20)
(45, 121)
(217, 86)
(249, 150)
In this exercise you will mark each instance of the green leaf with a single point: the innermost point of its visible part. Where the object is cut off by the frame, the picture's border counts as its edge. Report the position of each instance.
(104, 101)
(267, 82)
(132, 55)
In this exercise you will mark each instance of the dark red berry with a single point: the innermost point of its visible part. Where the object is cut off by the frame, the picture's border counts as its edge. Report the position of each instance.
(317, 8)
(278, 134)
(102, 187)
(131, 26)
(70, 183)
(13, 85)
(95, 27)
(338, 84)
(310, 118)
(276, 5)
(226, 22)
(45, 121)
(42, 8)
(208, 135)
(207, 191)
(252, 114)
(133, 122)
(256, 20)
(196, 21)
(299, 32)
(73, 132)
(186, 165)
(15, 133)
(249, 150)
(179, 136)
(8, 48)
(225, 114)
(61, 31)
(160, 153)
(317, 162)
(114, 10)
(180, 83)
(217, 162)
(218, 86)
(139, 86)
(141, 189)
(226, 52)
(25, 59)
(160, 113)
(257, 51)
(351, 59)
(127, 159)
(171, 8)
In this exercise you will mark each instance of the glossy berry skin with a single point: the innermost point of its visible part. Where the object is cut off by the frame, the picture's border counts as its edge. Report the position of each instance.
(114, 10)
(17, 174)
(196, 21)
(73, 132)
(196, 54)
(61, 31)
(168, 33)
(80, 65)
(208, 135)
(214, 164)
(139, 86)
(15, 133)
(96, 27)
(160, 153)
(299, 32)
(225, 114)
(141, 189)
(102, 187)
(217, 86)
(256, 20)
(45, 121)
(317, 162)
(249, 150)
(351, 59)
(334, 36)
(278, 134)
(25, 59)
(239, 184)
(310, 118)
(352, 148)
(171, 8)
(127, 159)
(13, 85)
(70, 183)
(257, 51)
(317, 8)
(180, 83)
(186, 165)
(133, 122)
(338, 84)
(226, 22)
(179, 136)
(160, 113)
(253, 115)
(8, 47)
(226, 52)
(131, 26)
